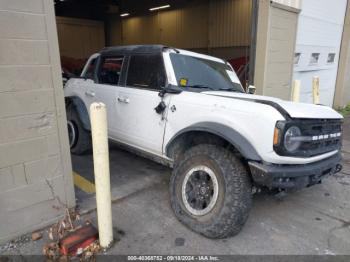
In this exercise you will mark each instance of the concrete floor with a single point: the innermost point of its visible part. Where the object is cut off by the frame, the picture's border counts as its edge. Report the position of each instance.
(315, 220)
(129, 174)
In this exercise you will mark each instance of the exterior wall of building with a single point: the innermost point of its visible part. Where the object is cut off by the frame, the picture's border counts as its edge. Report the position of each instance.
(342, 91)
(319, 33)
(276, 34)
(35, 167)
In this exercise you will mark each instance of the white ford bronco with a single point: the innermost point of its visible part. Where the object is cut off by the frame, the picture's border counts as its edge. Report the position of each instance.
(190, 111)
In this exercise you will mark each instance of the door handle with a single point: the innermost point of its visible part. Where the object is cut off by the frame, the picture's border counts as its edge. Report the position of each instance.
(90, 93)
(123, 100)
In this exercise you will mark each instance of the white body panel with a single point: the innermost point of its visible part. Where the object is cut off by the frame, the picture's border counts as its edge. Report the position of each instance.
(137, 123)
(295, 110)
(254, 121)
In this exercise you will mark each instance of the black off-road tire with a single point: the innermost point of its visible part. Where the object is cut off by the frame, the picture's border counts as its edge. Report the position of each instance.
(234, 201)
(82, 143)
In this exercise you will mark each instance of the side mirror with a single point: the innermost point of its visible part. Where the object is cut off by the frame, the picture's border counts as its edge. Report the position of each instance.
(170, 89)
(251, 89)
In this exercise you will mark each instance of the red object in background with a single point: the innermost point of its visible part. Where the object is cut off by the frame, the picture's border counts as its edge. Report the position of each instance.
(237, 63)
(73, 65)
(241, 67)
(80, 238)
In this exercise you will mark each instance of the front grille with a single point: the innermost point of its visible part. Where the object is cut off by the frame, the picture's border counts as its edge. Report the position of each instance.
(326, 134)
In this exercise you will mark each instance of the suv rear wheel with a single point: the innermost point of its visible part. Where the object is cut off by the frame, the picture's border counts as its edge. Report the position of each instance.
(211, 191)
(79, 137)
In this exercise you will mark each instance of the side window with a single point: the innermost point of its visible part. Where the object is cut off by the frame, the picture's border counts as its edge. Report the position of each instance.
(146, 71)
(110, 70)
(91, 69)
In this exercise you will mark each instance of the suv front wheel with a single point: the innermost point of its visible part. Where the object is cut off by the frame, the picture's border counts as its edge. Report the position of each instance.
(211, 191)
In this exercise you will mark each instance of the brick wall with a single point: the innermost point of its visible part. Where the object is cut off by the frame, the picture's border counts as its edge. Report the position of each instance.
(35, 169)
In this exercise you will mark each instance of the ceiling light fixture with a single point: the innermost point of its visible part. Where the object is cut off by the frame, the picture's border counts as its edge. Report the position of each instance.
(124, 14)
(159, 7)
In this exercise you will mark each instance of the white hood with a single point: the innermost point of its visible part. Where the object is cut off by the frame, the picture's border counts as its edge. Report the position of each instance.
(295, 110)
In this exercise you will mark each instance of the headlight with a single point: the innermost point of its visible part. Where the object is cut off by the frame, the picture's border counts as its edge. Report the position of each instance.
(291, 142)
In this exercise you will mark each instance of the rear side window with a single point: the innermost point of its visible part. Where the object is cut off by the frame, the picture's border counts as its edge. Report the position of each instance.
(110, 70)
(146, 71)
(91, 69)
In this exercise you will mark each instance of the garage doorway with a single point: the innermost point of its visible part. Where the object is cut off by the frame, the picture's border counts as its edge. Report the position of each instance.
(221, 28)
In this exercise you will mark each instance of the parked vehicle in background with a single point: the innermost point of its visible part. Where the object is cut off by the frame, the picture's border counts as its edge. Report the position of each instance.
(189, 111)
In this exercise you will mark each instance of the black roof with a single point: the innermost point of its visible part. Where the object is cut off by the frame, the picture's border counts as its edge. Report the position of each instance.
(132, 49)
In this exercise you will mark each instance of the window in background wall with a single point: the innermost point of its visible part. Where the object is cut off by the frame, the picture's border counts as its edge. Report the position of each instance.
(331, 58)
(296, 58)
(314, 58)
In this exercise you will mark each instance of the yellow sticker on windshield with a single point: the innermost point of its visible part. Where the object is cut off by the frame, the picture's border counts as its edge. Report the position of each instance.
(183, 82)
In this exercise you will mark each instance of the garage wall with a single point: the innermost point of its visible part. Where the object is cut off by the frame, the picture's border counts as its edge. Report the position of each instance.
(320, 31)
(342, 88)
(229, 23)
(35, 168)
(276, 36)
(79, 38)
(216, 27)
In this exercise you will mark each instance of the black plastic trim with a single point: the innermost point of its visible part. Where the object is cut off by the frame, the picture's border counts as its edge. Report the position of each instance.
(227, 133)
(301, 123)
(276, 106)
(269, 174)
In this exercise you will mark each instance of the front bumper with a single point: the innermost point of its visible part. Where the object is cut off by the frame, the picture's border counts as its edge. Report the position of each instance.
(294, 176)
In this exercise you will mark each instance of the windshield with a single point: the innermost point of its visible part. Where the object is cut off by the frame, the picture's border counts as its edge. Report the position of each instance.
(203, 74)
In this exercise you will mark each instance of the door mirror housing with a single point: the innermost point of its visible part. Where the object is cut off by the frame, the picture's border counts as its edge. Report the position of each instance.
(251, 89)
(171, 89)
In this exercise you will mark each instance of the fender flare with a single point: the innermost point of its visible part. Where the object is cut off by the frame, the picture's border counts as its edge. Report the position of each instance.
(229, 134)
(81, 110)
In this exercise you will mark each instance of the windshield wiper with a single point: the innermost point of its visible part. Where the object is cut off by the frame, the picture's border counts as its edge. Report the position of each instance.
(201, 87)
(213, 89)
(230, 89)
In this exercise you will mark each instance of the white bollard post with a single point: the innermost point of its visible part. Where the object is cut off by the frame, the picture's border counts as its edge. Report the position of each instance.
(316, 89)
(296, 91)
(98, 114)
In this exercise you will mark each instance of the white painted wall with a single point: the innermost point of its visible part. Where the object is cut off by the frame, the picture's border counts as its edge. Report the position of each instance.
(320, 28)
